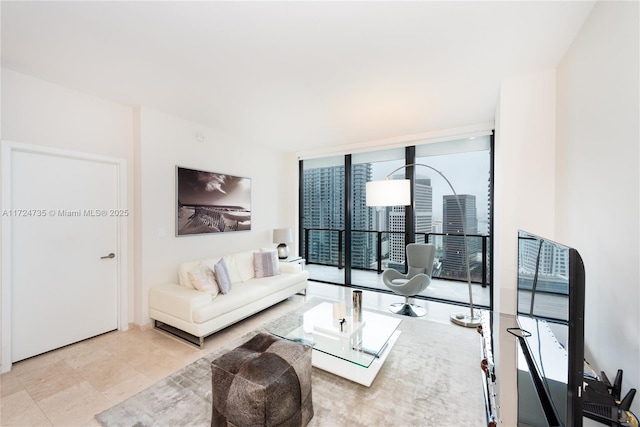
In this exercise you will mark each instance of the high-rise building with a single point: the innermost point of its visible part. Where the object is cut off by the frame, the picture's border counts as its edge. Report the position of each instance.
(396, 240)
(453, 263)
(363, 245)
(552, 263)
(424, 205)
(323, 208)
(423, 202)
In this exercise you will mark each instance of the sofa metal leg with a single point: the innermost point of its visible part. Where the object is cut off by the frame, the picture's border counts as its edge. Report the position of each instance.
(180, 334)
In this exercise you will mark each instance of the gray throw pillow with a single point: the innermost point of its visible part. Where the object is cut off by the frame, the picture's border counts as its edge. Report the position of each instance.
(265, 264)
(222, 277)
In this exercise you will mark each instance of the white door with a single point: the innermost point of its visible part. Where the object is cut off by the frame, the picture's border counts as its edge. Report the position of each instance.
(64, 226)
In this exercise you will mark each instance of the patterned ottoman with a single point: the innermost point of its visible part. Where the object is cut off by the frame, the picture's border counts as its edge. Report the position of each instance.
(264, 382)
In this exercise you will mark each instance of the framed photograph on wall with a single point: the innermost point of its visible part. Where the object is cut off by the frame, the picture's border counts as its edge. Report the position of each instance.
(209, 202)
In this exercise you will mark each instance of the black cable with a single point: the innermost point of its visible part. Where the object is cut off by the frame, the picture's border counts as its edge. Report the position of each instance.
(523, 332)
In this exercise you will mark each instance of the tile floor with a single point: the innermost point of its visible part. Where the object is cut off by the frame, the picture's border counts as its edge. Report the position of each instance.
(68, 386)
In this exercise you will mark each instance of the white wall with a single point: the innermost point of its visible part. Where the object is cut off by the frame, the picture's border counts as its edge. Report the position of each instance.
(165, 142)
(41, 113)
(597, 188)
(524, 174)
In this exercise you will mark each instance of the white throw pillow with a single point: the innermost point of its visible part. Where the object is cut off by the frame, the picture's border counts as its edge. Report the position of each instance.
(183, 273)
(266, 264)
(203, 279)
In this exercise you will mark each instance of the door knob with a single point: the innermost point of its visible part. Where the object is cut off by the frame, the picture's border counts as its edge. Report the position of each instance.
(111, 255)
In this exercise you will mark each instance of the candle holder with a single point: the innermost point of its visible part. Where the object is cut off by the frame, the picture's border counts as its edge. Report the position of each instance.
(356, 310)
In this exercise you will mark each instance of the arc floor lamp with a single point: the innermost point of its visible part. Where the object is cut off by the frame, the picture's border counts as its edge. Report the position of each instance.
(397, 192)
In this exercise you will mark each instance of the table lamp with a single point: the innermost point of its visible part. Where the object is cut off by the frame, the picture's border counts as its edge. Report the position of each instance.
(282, 236)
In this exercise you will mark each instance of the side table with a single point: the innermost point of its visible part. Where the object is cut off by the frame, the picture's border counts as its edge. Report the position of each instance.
(295, 259)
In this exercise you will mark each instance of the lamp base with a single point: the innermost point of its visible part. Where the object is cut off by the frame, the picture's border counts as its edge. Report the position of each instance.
(283, 251)
(466, 320)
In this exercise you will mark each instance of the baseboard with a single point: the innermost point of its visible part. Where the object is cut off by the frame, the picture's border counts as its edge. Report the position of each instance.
(145, 327)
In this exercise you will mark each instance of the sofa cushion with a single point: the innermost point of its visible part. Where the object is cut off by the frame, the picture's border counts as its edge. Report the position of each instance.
(244, 262)
(244, 293)
(222, 276)
(232, 268)
(290, 267)
(265, 264)
(276, 283)
(202, 278)
(240, 295)
(178, 301)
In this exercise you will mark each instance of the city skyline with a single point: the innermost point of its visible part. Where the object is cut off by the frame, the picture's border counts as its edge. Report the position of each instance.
(323, 206)
(468, 172)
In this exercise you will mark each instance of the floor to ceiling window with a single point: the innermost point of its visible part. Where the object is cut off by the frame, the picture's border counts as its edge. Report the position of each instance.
(348, 243)
(323, 213)
(377, 233)
(467, 165)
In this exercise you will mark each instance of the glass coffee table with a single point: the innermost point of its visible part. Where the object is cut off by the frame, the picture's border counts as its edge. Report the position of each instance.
(356, 353)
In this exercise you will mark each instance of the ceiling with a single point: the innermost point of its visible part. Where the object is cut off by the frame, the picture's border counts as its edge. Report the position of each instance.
(294, 75)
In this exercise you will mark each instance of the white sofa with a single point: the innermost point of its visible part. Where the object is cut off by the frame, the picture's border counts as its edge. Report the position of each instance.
(180, 308)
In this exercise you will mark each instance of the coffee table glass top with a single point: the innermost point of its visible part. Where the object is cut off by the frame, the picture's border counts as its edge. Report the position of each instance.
(360, 342)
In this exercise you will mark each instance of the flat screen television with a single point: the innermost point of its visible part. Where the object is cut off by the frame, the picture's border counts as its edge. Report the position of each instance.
(550, 314)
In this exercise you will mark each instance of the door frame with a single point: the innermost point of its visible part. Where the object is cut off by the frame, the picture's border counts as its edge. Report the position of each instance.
(8, 148)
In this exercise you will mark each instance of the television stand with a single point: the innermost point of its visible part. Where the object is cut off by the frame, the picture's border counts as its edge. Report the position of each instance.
(499, 374)
(488, 372)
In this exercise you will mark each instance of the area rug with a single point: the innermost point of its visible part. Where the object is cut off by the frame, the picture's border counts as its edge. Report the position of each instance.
(431, 377)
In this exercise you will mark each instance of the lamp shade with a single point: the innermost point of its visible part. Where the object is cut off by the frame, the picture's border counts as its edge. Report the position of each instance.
(282, 235)
(389, 192)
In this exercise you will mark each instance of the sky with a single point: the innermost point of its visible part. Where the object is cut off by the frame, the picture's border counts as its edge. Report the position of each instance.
(208, 188)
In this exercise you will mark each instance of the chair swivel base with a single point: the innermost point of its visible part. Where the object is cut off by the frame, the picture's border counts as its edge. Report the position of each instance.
(406, 309)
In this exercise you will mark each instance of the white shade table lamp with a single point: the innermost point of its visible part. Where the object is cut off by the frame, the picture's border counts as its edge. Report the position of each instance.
(397, 192)
(282, 236)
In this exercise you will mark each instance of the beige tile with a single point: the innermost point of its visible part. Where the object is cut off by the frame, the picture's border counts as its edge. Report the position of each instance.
(48, 380)
(118, 341)
(19, 409)
(103, 374)
(171, 344)
(80, 359)
(139, 355)
(103, 339)
(10, 384)
(37, 362)
(182, 351)
(82, 348)
(75, 406)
